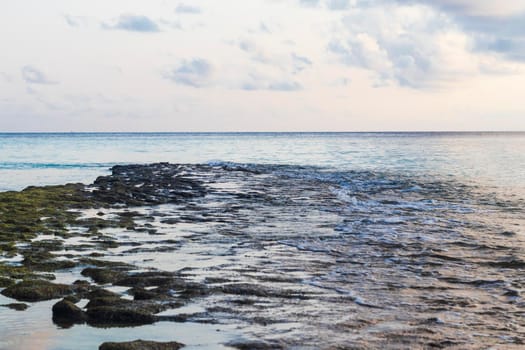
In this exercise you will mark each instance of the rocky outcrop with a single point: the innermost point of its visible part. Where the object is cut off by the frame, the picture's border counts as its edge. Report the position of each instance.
(141, 345)
(146, 185)
(102, 276)
(66, 313)
(37, 290)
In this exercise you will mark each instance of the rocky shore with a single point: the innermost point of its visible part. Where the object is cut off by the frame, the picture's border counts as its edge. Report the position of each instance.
(56, 212)
(271, 252)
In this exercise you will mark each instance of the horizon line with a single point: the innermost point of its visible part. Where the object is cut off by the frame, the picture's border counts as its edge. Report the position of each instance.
(267, 132)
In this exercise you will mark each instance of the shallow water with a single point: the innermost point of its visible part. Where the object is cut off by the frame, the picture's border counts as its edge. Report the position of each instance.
(33, 330)
(313, 257)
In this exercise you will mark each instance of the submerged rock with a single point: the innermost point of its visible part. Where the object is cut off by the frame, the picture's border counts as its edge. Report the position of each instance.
(37, 290)
(141, 345)
(254, 345)
(17, 306)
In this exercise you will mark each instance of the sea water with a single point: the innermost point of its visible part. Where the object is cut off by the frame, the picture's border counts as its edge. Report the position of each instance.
(491, 159)
(385, 238)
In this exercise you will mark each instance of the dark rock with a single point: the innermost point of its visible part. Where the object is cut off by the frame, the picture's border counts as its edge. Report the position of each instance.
(109, 315)
(145, 185)
(101, 293)
(107, 301)
(116, 265)
(254, 345)
(508, 233)
(508, 264)
(16, 306)
(110, 309)
(38, 259)
(141, 345)
(102, 276)
(67, 313)
(170, 221)
(81, 283)
(37, 290)
(143, 294)
(6, 282)
(147, 279)
(72, 298)
(246, 289)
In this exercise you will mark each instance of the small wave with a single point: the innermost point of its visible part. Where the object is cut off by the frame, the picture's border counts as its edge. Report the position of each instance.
(32, 165)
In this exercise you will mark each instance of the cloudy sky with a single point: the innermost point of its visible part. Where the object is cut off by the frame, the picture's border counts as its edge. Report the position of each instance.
(262, 65)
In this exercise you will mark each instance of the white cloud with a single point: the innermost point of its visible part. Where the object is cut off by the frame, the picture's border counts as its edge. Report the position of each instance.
(337, 5)
(133, 23)
(190, 9)
(411, 45)
(33, 75)
(236, 62)
(195, 72)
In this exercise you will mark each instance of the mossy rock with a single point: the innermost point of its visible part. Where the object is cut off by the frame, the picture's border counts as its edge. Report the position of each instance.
(37, 290)
(114, 301)
(16, 306)
(6, 282)
(141, 345)
(102, 276)
(66, 313)
(117, 316)
(104, 263)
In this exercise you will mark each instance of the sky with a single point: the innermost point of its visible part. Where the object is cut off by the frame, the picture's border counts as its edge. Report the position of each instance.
(262, 65)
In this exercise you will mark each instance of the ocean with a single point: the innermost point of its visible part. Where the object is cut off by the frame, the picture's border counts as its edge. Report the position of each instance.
(489, 159)
(291, 240)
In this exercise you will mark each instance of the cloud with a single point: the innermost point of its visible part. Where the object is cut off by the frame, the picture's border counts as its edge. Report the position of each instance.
(309, 3)
(255, 81)
(500, 35)
(6, 77)
(338, 5)
(263, 28)
(195, 72)
(285, 86)
(189, 9)
(483, 8)
(34, 76)
(300, 63)
(75, 21)
(495, 26)
(247, 46)
(412, 44)
(133, 23)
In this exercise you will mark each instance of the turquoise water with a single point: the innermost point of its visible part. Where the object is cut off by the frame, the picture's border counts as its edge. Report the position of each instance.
(490, 159)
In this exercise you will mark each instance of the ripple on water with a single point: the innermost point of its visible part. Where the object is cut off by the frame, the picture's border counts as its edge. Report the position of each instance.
(302, 255)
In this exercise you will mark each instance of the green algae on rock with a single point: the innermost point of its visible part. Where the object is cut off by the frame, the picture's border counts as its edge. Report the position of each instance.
(37, 290)
(16, 306)
(66, 313)
(141, 345)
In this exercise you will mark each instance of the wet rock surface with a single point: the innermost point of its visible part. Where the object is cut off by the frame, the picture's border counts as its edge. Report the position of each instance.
(66, 313)
(17, 306)
(146, 185)
(291, 256)
(37, 290)
(141, 345)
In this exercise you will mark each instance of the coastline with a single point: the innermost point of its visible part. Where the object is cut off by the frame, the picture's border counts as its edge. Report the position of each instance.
(281, 253)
